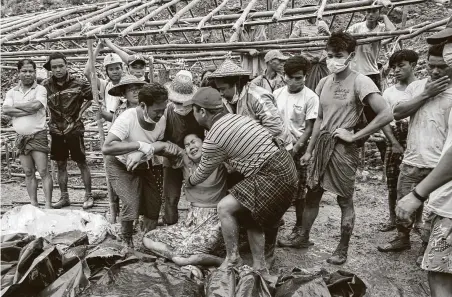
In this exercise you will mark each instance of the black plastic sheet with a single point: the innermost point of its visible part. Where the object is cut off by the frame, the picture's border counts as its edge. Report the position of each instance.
(133, 277)
(36, 268)
(345, 284)
(302, 283)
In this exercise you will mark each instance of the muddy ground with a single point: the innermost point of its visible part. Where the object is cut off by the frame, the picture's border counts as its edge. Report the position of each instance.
(386, 274)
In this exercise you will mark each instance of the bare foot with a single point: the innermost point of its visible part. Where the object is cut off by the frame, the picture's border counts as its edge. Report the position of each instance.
(231, 262)
(48, 206)
(35, 203)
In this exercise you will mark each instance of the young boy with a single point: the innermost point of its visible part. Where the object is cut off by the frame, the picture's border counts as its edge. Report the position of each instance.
(343, 95)
(402, 64)
(298, 106)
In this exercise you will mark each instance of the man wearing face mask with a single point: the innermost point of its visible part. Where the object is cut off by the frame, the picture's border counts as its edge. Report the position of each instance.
(67, 99)
(133, 168)
(428, 103)
(272, 79)
(180, 123)
(343, 95)
(298, 106)
(244, 98)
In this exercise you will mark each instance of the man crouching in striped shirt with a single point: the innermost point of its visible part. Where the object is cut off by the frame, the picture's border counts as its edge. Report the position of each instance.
(264, 195)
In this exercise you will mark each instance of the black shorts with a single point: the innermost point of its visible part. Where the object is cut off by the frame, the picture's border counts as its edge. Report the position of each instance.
(61, 145)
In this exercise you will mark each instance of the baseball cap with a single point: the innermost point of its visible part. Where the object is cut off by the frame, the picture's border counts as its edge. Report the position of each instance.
(206, 97)
(135, 59)
(54, 56)
(442, 35)
(274, 54)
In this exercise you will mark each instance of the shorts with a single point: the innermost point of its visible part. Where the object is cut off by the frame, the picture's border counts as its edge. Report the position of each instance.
(62, 145)
(438, 255)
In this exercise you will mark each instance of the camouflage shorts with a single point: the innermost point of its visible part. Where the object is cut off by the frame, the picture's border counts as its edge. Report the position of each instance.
(438, 255)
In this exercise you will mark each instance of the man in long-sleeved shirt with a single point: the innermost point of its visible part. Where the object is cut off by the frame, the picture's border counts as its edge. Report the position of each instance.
(68, 98)
(247, 99)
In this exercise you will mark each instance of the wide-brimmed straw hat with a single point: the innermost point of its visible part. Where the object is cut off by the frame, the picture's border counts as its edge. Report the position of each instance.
(442, 35)
(181, 88)
(128, 79)
(229, 68)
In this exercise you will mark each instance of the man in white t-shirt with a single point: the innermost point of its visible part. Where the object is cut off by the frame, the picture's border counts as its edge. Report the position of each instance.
(402, 63)
(428, 103)
(132, 166)
(366, 57)
(298, 106)
(437, 188)
(26, 104)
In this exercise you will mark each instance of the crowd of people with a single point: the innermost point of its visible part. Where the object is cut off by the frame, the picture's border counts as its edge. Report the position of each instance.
(246, 147)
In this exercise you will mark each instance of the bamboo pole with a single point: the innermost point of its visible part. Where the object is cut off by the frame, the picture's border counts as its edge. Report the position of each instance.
(321, 10)
(280, 11)
(80, 25)
(239, 23)
(95, 91)
(151, 69)
(211, 14)
(148, 17)
(178, 15)
(23, 23)
(113, 22)
(45, 21)
(67, 22)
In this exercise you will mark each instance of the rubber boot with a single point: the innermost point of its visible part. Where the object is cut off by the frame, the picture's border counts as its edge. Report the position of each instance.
(127, 232)
(270, 244)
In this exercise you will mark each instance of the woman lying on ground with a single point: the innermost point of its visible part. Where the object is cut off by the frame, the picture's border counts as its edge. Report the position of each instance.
(133, 170)
(198, 239)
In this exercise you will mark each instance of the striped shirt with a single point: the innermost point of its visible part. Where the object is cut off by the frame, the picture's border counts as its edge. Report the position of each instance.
(245, 144)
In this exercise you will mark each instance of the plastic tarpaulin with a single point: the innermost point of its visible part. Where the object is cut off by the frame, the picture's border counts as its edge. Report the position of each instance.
(133, 277)
(43, 222)
(241, 282)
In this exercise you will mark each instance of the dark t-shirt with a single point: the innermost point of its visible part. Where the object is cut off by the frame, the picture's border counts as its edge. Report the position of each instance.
(178, 126)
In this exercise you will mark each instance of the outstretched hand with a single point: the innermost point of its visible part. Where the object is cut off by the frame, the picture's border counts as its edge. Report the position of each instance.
(433, 88)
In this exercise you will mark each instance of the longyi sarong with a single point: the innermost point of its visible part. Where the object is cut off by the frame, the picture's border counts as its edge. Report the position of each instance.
(268, 193)
(33, 142)
(334, 165)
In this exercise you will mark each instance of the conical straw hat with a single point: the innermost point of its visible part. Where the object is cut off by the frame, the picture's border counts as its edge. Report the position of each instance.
(229, 68)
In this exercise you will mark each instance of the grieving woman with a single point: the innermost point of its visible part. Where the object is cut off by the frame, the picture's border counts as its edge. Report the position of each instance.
(133, 169)
(197, 240)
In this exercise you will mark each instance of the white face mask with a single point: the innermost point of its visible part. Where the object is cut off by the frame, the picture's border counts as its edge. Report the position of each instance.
(182, 110)
(447, 54)
(337, 65)
(146, 117)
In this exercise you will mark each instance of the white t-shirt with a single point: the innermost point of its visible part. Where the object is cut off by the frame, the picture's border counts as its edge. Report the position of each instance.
(127, 128)
(111, 102)
(440, 201)
(365, 61)
(29, 124)
(296, 108)
(392, 95)
(428, 127)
